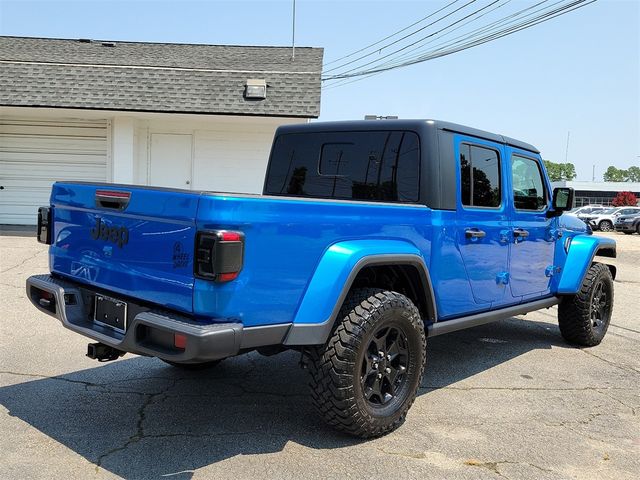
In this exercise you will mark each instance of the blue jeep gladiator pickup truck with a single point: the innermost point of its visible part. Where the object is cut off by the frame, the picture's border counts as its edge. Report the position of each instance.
(369, 237)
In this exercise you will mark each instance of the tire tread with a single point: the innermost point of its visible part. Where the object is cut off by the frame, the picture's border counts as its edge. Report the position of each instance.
(332, 392)
(574, 310)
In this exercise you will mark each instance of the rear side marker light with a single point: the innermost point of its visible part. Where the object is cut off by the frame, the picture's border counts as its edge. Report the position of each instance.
(180, 341)
(219, 255)
(227, 277)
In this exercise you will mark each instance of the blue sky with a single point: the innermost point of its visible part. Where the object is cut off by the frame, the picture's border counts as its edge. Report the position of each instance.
(578, 73)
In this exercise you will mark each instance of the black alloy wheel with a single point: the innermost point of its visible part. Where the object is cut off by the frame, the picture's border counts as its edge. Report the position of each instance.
(600, 311)
(384, 366)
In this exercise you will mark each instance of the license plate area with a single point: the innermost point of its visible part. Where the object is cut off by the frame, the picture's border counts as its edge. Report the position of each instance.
(110, 312)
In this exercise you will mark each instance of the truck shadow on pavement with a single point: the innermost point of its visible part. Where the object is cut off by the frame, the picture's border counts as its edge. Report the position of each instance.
(140, 418)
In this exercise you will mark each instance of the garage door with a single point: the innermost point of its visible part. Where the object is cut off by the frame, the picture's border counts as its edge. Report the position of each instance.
(36, 153)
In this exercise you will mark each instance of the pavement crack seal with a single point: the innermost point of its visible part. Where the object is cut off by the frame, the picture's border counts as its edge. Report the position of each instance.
(624, 328)
(633, 410)
(624, 368)
(518, 389)
(47, 377)
(23, 261)
(415, 456)
(139, 433)
(494, 466)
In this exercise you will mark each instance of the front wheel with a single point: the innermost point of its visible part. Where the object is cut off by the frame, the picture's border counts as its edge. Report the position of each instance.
(584, 317)
(605, 226)
(365, 378)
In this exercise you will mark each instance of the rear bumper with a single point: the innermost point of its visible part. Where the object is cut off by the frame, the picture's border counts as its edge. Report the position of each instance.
(150, 332)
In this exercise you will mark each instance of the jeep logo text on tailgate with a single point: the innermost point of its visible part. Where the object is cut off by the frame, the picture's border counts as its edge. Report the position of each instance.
(117, 235)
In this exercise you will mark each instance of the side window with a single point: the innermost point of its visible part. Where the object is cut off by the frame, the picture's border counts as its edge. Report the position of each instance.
(529, 192)
(374, 166)
(528, 186)
(479, 176)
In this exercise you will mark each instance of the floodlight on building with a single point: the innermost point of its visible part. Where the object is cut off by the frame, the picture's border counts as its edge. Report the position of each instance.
(255, 89)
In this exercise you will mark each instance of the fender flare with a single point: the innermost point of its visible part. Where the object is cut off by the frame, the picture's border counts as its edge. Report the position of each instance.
(582, 250)
(334, 276)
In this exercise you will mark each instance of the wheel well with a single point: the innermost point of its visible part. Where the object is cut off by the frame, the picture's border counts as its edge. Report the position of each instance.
(612, 269)
(405, 279)
(606, 251)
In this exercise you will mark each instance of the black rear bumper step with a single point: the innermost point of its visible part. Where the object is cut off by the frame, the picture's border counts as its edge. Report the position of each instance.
(151, 333)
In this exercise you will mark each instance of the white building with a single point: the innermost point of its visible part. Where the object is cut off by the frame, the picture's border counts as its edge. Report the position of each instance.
(184, 116)
(598, 193)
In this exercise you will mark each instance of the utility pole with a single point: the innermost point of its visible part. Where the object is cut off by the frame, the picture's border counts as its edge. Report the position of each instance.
(566, 153)
(293, 34)
(593, 175)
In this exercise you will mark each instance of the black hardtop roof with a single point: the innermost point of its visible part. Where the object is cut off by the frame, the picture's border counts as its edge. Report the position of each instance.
(361, 125)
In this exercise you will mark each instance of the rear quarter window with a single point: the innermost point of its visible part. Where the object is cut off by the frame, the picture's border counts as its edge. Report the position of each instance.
(372, 166)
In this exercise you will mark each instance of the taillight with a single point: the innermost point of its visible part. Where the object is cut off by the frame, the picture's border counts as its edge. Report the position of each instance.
(219, 255)
(44, 225)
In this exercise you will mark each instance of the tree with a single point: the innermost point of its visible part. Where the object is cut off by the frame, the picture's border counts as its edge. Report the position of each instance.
(634, 174)
(624, 199)
(560, 171)
(569, 171)
(614, 174)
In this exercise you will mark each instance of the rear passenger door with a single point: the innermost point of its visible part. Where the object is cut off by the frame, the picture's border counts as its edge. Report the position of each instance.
(482, 225)
(533, 237)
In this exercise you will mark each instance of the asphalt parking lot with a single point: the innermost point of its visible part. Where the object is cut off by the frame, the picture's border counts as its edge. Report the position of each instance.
(507, 400)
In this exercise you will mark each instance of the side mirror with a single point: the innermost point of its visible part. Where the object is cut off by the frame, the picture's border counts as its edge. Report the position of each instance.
(562, 200)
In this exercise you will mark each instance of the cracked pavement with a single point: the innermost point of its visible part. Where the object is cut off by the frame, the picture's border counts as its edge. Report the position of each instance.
(503, 401)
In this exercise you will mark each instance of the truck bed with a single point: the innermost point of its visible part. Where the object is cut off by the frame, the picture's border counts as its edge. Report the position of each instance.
(284, 240)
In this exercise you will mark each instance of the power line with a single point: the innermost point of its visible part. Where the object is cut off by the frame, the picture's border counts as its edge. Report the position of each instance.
(403, 38)
(394, 61)
(408, 53)
(417, 41)
(502, 33)
(490, 27)
(390, 36)
(456, 46)
(473, 33)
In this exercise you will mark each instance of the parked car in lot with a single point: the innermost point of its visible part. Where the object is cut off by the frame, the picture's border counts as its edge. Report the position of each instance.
(606, 219)
(628, 224)
(587, 212)
(369, 237)
(585, 209)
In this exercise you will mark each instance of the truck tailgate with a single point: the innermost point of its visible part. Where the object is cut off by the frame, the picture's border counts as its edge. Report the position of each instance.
(135, 241)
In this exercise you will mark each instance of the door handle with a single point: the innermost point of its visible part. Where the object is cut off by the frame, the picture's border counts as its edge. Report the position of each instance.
(520, 233)
(474, 233)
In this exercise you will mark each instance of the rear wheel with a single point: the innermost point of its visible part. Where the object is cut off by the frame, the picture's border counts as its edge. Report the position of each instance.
(584, 317)
(193, 366)
(364, 380)
(605, 226)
